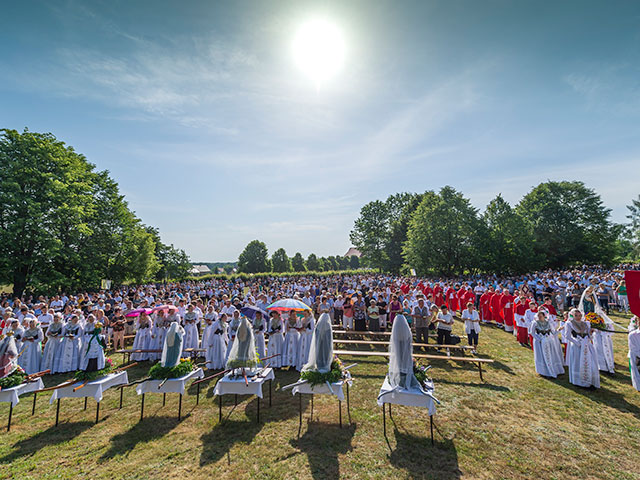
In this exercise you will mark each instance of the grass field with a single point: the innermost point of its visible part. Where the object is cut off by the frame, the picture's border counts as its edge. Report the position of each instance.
(515, 425)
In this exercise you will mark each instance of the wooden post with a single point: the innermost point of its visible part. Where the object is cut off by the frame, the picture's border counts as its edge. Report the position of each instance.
(258, 408)
(85, 403)
(164, 399)
(121, 390)
(97, 411)
(431, 422)
(198, 395)
(340, 412)
(180, 408)
(480, 370)
(219, 408)
(270, 382)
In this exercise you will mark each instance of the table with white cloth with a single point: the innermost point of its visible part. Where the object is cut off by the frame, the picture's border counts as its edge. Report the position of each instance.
(409, 398)
(94, 389)
(12, 395)
(337, 389)
(172, 385)
(236, 385)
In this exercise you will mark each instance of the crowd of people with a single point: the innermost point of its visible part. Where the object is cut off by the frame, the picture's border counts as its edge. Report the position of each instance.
(544, 310)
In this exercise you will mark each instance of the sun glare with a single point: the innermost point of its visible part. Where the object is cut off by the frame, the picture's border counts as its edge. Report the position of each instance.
(319, 50)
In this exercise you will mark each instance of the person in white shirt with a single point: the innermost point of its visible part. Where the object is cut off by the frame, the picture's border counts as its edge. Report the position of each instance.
(471, 325)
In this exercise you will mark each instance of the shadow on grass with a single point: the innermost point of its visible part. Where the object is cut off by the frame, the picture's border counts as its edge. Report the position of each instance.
(142, 432)
(322, 443)
(49, 437)
(601, 395)
(487, 386)
(420, 459)
(224, 436)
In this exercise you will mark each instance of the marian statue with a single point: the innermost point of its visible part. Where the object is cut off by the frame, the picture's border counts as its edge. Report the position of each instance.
(172, 349)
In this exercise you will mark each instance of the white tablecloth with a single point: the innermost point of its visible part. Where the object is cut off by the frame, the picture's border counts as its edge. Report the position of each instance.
(227, 384)
(322, 389)
(93, 389)
(410, 398)
(12, 394)
(173, 385)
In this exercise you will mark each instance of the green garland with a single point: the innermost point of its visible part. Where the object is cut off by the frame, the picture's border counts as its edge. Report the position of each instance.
(332, 376)
(13, 380)
(158, 372)
(84, 376)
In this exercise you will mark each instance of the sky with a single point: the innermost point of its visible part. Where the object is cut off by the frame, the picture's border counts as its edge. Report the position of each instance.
(217, 137)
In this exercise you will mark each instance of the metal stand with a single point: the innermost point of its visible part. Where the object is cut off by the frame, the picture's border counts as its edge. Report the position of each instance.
(340, 412)
(10, 414)
(164, 399)
(312, 408)
(57, 411)
(258, 408)
(180, 408)
(384, 419)
(431, 422)
(300, 420)
(198, 395)
(219, 408)
(85, 403)
(348, 404)
(97, 411)
(121, 390)
(270, 382)
(33, 408)
(142, 408)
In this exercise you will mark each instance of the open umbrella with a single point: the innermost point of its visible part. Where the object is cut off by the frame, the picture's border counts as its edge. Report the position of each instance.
(287, 304)
(250, 311)
(166, 308)
(138, 311)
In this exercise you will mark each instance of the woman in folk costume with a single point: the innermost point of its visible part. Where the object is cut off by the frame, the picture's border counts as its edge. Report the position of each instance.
(172, 348)
(581, 354)
(259, 327)
(547, 352)
(308, 324)
(191, 336)
(243, 351)
(233, 330)
(601, 339)
(69, 358)
(276, 340)
(634, 356)
(216, 342)
(320, 347)
(93, 350)
(54, 343)
(291, 341)
(142, 340)
(31, 355)
(158, 332)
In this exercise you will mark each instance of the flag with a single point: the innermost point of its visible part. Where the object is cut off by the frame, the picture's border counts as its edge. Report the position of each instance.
(632, 279)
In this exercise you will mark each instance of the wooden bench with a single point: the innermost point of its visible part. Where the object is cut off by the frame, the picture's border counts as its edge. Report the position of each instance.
(476, 360)
(461, 348)
(128, 351)
(369, 334)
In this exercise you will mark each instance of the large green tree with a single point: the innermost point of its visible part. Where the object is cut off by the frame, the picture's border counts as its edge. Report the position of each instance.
(280, 261)
(254, 258)
(634, 227)
(370, 233)
(570, 224)
(297, 263)
(401, 207)
(173, 263)
(313, 264)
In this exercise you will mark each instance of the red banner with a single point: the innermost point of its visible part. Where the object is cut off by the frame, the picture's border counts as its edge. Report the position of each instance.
(632, 279)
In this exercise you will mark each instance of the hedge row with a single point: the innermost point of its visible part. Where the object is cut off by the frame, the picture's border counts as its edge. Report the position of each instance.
(247, 276)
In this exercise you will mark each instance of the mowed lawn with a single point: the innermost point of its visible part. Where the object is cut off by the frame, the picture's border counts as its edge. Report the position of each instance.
(513, 425)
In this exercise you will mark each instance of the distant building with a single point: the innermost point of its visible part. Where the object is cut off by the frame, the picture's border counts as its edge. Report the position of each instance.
(199, 270)
(353, 252)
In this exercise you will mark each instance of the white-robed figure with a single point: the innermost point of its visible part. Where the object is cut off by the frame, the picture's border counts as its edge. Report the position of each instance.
(321, 347)
(308, 325)
(581, 354)
(54, 342)
(8, 355)
(634, 357)
(233, 330)
(547, 351)
(142, 340)
(217, 344)
(172, 349)
(259, 327)
(69, 358)
(276, 340)
(602, 340)
(31, 353)
(93, 350)
(291, 341)
(243, 351)
(191, 336)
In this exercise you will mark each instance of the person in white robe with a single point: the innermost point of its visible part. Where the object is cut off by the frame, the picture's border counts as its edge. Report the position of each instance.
(31, 354)
(54, 342)
(320, 355)
(259, 328)
(291, 341)
(158, 332)
(16, 330)
(215, 339)
(634, 357)
(276, 340)
(69, 358)
(233, 330)
(547, 352)
(191, 335)
(581, 353)
(602, 340)
(308, 325)
(8, 355)
(142, 340)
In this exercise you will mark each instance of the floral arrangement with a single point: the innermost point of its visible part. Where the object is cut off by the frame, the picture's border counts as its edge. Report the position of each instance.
(84, 376)
(158, 372)
(334, 375)
(420, 372)
(13, 379)
(596, 321)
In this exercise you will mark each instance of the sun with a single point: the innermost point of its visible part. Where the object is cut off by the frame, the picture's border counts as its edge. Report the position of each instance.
(319, 50)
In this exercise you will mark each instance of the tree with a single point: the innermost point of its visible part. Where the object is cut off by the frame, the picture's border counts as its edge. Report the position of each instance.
(313, 264)
(332, 263)
(401, 207)
(354, 262)
(343, 263)
(280, 261)
(370, 232)
(254, 258)
(442, 235)
(297, 263)
(634, 227)
(570, 224)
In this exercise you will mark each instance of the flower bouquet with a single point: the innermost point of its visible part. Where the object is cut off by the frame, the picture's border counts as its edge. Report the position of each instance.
(336, 374)
(14, 379)
(184, 367)
(84, 376)
(420, 372)
(596, 321)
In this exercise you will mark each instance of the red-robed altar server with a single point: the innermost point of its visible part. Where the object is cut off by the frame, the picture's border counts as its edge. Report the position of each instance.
(496, 310)
(485, 305)
(452, 300)
(462, 295)
(507, 310)
(428, 290)
(469, 297)
(438, 297)
(521, 306)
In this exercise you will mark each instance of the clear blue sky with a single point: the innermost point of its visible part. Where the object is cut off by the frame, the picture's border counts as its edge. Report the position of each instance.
(216, 137)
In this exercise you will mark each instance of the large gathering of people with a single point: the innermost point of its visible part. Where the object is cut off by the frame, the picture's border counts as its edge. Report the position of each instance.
(544, 310)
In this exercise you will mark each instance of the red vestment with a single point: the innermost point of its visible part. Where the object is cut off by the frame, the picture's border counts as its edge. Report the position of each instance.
(507, 309)
(452, 300)
(496, 311)
(485, 305)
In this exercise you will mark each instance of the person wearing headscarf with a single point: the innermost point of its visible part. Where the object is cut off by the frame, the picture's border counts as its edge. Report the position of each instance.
(93, 350)
(320, 355)
(142, 340)
(259, 327)
(172, 348)
(191, 335)
(602, 340)
(276, 340)
(547, 352)
(214, 341)
(158, 332)
(306, 332)
(291, 341)
(54, 342)
(581, 354)
(243, 351)
(31, 354)
(69, 358)
(634, 356)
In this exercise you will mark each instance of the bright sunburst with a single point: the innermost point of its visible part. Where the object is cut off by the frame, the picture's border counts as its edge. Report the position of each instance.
(319, 50)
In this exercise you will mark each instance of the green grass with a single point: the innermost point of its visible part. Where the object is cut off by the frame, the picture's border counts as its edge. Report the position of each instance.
(515, 425)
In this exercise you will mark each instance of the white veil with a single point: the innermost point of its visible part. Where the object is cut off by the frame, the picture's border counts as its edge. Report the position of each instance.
(243, 352)
(8, 355)
(321, 349)
(401, 355)
(596, 304)
(175, 332)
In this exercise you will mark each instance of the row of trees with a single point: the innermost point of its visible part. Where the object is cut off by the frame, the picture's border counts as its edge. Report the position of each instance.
(555, 225)
(63, 224)
(255, 259)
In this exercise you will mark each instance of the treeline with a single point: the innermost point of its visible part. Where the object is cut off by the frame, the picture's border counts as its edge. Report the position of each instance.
(65, 225)
(270, 275)
(556, 224)
(255, 259)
